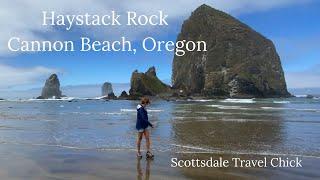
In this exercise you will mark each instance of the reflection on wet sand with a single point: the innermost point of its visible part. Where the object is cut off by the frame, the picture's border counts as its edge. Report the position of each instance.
(228, 132)
(140, 174)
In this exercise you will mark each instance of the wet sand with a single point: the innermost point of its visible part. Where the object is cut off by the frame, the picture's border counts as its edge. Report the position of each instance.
(29, 162)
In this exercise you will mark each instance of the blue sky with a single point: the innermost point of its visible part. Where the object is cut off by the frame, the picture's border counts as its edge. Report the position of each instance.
(292, 25)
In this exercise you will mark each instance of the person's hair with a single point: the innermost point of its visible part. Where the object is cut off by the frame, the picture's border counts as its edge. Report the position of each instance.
(145, 100)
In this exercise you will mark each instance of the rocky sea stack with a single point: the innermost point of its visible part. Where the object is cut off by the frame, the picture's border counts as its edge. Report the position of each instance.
(147, 84)
(106, 89)
(239, 61)
(124, 95)
(111, 96)
(51, 88)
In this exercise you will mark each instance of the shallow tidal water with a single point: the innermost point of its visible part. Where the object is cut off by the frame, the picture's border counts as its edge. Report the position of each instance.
(95, 139)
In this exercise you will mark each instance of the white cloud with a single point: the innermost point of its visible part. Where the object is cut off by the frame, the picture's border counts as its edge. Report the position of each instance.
(23, 18)
(308, 78)
(12, 77)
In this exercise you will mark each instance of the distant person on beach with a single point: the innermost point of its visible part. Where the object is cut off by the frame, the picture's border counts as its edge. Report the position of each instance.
(142, 127)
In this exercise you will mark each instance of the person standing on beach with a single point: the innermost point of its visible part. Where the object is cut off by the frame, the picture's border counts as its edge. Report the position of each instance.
(142, 125)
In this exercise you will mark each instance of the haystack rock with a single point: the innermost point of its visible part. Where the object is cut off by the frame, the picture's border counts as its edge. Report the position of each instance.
(51, 88)
(147, 84)
(239, 62)
(106, 89)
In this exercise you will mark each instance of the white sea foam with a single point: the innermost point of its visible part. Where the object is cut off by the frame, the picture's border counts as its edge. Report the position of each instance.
(62, 99)
(245, 101)
(233, 107)
(262, 153)
(112, 113)
(275, 108)
(295, 109)
(281, 102)
(203, 150)
(212, 112)
(191, 117)
(238, 120)
(82, 113)
(100, 97)
(314, 110)
(134, 110)
(301, 95)
(206, 119)
(182, 111)
(128, 110)
(201, 100)
(214, 105)
(99, 113)
(228, 107)
(190, 147)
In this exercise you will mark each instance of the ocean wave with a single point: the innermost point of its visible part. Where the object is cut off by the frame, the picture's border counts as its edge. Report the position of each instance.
(182, 111)
(98, 113)
(190, 117)
(214, 105)
(134, 110)
(112, 113)
(233, 107)
(237, 152)
(208, 119)
(248, 113)
(62, 99)
(82, 113)
(191, 149)
(213, 112)
(281, 102)
(301, 96)
(128, 110)
(245, 101)
(275, 108)
(201, 100)
(295, 109)
(228, 107)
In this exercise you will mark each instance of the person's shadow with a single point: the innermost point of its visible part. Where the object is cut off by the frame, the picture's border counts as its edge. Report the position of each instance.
(147, 170)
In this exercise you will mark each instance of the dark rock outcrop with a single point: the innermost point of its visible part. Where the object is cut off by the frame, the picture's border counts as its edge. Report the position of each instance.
(239, 62)
(51, 88)
(111, 96)
(106, 89)
(147, 84)
(123, 95)
(309, 96)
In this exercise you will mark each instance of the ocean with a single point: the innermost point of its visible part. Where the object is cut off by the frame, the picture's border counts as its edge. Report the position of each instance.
(63, 138)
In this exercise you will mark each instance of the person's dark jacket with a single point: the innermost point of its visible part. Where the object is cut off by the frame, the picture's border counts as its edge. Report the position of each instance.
(142, 118)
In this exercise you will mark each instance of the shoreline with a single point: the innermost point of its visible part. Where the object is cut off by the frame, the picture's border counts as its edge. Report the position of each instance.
(62, 163)
(191, 98)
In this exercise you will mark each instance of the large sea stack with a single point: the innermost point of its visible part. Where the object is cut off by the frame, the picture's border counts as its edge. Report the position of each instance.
(51, 88)
(106, 89)
(239, 61)
(147, 84)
